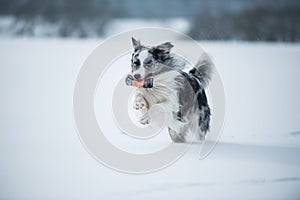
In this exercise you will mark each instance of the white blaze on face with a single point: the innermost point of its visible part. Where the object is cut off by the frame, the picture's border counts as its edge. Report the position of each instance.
(141, 57)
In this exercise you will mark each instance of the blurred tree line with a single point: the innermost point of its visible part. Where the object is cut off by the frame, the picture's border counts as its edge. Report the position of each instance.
(269, 20)
(70, 15)
(260, 23)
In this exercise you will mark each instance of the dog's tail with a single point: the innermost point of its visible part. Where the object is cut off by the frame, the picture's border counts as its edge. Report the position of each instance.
(203, 69)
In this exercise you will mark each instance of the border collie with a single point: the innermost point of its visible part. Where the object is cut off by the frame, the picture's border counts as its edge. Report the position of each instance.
(164, 78)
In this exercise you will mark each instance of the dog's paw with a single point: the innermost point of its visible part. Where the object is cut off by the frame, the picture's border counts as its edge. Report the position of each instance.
(140, 103)
(145, 120)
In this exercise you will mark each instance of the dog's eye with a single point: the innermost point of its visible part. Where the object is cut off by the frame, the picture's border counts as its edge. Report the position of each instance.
(148, 63)
(136, 63)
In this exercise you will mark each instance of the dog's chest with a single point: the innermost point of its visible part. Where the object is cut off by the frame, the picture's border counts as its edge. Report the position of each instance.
(161, 95)
(165, 90)
(153, 96)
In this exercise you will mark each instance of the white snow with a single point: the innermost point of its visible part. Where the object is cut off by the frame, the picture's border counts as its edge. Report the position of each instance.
(42, 157)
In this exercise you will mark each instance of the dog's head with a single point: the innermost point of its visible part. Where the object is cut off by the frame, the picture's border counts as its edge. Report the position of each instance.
(147, 61)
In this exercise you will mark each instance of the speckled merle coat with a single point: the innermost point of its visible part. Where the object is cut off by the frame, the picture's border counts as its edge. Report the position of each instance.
(178, 86)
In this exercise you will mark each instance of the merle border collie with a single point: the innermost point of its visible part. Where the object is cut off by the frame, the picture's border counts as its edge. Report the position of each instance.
(172, 82)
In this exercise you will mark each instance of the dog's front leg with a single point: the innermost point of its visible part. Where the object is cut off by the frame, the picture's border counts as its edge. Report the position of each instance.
(141, 105)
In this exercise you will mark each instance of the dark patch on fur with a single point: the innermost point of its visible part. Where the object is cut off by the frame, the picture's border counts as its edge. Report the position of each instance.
(161, 52)
(135, 62)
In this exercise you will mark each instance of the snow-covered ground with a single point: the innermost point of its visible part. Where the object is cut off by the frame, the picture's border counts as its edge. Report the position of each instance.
(42, 158)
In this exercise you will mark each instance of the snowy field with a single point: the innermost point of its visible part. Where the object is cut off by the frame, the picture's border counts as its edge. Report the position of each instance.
(41, 156)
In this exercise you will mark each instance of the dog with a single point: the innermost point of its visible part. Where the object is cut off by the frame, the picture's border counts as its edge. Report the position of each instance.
(176, 85)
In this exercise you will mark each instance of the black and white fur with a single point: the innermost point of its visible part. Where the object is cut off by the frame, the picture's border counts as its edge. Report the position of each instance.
(180, 93)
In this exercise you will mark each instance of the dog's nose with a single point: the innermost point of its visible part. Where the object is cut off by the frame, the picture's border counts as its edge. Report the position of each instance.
(137, 76)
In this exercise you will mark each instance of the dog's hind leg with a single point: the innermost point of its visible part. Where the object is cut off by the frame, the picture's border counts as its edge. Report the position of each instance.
(176, 137)
(204, 120)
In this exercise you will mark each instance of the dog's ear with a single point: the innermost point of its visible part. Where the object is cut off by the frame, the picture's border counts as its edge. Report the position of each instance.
(162, 51)
(166, 47)
(136, 43)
